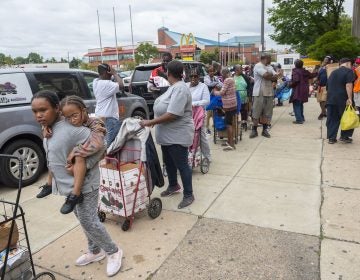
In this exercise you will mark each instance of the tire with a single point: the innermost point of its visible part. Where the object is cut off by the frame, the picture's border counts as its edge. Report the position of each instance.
(102, 216)
(34, 163)
(204, 165)
(45, 276)
(138, 114)
(155, 207)
(126, 225)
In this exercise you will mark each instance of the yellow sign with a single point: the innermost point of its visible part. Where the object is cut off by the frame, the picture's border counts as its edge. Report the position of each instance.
(190, 43)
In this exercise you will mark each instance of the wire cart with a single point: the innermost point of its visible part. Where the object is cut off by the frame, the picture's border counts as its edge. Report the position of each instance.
(220, 126)
(16, 260)
(126, 187)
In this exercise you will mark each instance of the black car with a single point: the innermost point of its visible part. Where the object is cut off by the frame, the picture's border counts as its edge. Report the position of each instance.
(141, 75)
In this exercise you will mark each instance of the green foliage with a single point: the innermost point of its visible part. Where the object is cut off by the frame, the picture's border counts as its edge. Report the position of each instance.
(130, 65)
(345, 24)
(51, 60)
(87, 66)
(34, 58)
(6, 60)
(144, 52)
(209, 57)
(75, 63)
(299, 23)
(19, 60)
(336, 43)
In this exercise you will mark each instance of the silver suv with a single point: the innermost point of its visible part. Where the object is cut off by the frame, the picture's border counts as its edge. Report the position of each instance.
(20, 134)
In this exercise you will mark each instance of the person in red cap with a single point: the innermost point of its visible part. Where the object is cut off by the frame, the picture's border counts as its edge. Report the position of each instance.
(356, 89)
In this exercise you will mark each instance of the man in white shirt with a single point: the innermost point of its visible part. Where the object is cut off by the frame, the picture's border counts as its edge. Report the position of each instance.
(200, 97)
(106, 103)
(263, 95)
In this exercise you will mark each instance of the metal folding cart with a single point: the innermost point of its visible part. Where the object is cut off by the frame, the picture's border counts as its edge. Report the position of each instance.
(16, 260)
(126, 187)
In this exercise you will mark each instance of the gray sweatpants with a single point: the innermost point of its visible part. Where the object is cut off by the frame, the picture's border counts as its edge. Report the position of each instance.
(96, 234)
(205, 148)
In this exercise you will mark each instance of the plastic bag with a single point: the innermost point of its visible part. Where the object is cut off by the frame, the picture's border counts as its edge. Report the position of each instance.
(349, 119)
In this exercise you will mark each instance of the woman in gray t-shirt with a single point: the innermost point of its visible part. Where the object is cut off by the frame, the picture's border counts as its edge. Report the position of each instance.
(175, 132)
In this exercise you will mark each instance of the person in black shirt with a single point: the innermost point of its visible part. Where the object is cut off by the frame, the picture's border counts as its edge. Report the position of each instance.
(339, 94)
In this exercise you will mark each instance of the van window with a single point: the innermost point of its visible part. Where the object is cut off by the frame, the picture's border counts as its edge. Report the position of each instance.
(62, 83)
(14, 89)
(89, 78)
(141, 75)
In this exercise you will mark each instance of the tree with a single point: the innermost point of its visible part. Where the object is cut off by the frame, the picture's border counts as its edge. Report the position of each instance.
(299, 23)
(34, 58)
(335, 43)
(6, 60)
(19, 60)
(51, 60)
(75, 63)
(144, 52)
(209, 57)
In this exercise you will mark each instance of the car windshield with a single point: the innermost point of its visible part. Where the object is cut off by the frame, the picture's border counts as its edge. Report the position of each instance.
(124, 74)
(141, 75)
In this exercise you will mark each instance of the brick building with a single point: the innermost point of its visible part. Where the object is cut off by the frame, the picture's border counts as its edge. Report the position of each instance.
(189, 47)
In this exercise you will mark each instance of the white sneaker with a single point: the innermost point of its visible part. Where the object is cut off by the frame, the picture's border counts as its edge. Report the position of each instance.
(90, 258)
(114, 263)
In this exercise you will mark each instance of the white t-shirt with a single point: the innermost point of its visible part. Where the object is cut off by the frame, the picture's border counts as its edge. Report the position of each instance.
(260, 84)
(200, 94)
(105, 95)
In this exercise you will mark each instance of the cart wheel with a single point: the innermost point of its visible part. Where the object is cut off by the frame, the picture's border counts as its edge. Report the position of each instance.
(205, 164)
(45, 276)
(102, 216)
(126, 225)
(155, 207)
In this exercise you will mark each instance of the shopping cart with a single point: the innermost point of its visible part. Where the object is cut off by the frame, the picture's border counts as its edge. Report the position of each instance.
(195, 157)
(16, 260)
(126, 186)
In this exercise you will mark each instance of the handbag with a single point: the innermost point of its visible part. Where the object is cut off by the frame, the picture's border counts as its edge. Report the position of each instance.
(5, 228)
(349, 119)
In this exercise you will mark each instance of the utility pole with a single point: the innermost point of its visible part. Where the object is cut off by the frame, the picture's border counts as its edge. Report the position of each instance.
(356, 19)
(262, 25)
(101, 50)
(132, 34)
(116, 42)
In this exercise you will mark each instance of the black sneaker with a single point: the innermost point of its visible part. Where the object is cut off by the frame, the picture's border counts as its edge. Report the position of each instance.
(46, 190)
(170, 191)
(265, 133)
(70, 202)
(186, 202)
(332, 141)
(346, 140)
(321, 116)
(253, 134)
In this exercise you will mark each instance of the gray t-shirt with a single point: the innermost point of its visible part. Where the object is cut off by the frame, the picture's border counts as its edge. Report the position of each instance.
(65, 137)
(260, 84)
(176, 100)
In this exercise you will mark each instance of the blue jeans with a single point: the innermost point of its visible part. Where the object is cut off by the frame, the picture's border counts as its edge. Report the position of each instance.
(176, 157)
(112, 128)
(299, 110)
(334, 114)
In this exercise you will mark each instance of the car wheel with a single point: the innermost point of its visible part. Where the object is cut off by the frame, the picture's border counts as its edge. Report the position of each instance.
(34, 162)
(137, 114)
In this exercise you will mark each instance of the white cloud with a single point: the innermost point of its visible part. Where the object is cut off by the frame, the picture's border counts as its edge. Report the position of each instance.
(54, 28)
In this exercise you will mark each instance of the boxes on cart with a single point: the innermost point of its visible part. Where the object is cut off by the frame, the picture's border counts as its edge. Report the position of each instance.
(117, 189)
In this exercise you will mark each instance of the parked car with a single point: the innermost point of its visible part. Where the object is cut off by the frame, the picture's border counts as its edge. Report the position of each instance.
(20, 134)
(141, 75)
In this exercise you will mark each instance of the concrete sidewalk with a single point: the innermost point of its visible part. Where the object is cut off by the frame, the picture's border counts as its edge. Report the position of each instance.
(279, 208)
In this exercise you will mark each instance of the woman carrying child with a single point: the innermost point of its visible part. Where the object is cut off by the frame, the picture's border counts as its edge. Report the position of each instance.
(65, 136)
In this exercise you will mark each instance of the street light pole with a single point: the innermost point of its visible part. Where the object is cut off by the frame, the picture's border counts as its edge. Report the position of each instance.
(219, 34)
